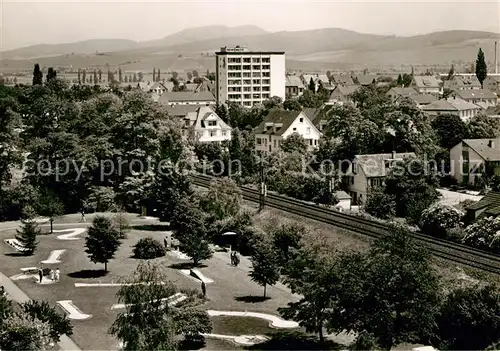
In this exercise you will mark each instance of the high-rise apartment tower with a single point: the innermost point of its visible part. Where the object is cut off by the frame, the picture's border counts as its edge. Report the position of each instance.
(249, 77)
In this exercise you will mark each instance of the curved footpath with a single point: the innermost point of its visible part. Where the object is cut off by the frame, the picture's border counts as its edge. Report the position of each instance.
(16, 294)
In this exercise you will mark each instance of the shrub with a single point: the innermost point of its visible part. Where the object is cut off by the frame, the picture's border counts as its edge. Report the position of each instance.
(484, 234)
(455, 234)
(148, 248)
(380, 204)
(59, 323)
(437, 219)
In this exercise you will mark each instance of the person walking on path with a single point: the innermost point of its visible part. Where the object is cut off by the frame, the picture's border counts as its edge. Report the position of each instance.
(203, 289)
(58, 273)
(232, 258)
(82, 211)
(40, 273)
(236, 259)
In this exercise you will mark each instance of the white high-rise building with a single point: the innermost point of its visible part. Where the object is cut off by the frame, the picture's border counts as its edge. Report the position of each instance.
(249, 77)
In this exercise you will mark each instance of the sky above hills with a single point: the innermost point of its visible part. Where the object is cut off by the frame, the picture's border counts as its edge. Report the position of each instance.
(33, 22)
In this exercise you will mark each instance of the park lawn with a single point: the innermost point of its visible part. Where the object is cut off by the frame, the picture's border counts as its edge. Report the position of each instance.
(229, 292)
(243, 326)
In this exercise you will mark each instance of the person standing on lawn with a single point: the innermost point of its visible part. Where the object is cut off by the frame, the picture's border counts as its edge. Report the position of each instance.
(52, 275)
(82, 211)
(58, 273)
(40, 273)
(203, 289)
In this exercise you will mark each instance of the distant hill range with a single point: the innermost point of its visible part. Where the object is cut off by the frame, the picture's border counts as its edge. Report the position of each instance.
(320, 47)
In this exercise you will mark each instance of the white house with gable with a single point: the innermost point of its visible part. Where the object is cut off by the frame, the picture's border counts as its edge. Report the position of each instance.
(279, 125)
(207, 125)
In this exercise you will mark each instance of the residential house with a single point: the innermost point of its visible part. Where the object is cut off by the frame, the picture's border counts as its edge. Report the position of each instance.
(482, 97)
(426, 84)
(465, 110)
(470, 158)
(180, 111)
(369, 171)
(341, 94)
(488, 206)
(492, 83)
(317, 79)
(459, 82)
(159, 88)
(170, 98)
(191, 87)
(294, 86)
(207, 125)
(279, 125)
(422, 100)
(493, 111)
(342, 79)
(365, 79)
(397, 93)
(317, 116)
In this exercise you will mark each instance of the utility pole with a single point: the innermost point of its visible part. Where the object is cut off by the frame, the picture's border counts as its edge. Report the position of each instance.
(263, 190)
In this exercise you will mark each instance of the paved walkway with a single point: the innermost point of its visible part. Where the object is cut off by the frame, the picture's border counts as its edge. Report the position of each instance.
(16, 294)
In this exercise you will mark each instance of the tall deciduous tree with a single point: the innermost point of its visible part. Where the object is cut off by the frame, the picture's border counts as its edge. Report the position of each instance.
(312, 274)
(102, 241)
(222, 200)
(393, 294)
(51, 206)
(413, 183)
(450, 130)
(470, 318)
(150, 322)
(294, 143)
(188, 223)
(265, 264)
(37, 75)
(481, 68)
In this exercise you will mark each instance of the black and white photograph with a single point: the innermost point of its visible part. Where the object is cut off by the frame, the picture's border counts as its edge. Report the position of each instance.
(249, 175)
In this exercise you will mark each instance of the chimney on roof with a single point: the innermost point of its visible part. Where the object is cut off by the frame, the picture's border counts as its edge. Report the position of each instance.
(491, 144)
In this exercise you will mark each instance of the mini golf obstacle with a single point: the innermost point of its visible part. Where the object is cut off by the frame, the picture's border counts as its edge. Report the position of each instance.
(73, 312)
(70, 236)
(246, 340)
(54, 257)
(196, 274)
(172, 301)
(179, 255)
(15, 244)
(274, 321)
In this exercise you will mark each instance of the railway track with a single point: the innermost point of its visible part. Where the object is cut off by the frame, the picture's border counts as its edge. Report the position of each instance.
(440, 248)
